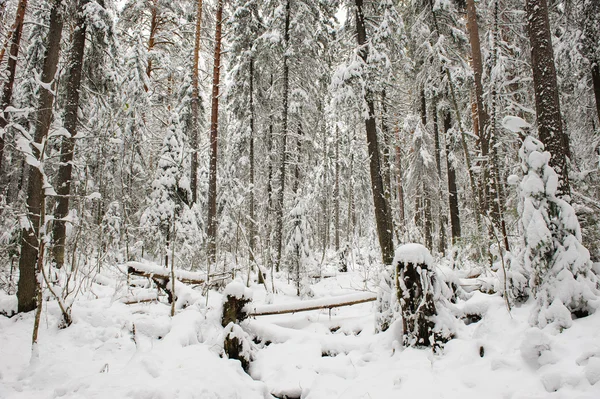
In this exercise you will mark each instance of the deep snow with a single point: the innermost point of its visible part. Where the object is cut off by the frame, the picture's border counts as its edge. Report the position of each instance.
(114, 350)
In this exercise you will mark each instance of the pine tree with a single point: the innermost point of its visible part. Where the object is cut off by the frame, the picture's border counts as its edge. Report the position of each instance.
(559, 267)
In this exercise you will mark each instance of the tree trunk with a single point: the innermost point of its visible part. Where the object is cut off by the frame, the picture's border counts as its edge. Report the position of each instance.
(63, 184)
(195, 105)
(596, 83)
(336, 189)
(151, 39)
(436, 140)
(252, 226)
(27, 286)
(11, 69)
(547, 103)
(382, 214)
(452, 191)
(399, 187)
(284, 133)
(214, 126)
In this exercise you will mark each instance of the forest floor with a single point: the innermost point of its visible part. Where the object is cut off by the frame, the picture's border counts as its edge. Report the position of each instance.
(114, 350)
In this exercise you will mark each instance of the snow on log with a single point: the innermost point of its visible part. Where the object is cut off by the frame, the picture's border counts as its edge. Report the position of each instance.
(416, 254)
(155, 271)
(313, 304)
(139, 298)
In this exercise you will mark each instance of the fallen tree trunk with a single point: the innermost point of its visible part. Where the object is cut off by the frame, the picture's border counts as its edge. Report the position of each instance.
(313, 304)
(157, 272)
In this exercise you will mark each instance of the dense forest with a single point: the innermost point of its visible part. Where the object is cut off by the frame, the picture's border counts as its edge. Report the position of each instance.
(279, 140)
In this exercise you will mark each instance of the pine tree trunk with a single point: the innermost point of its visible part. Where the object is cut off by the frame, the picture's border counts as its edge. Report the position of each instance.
(151, 39)
(11, 69)
(443, 219)
(252, 225)
(596, 83)
(214, 127)
(452, 190)
(63, 183)
(382, 214)
(547, 103)
(284, 134)
(399, 187)
(336, 189)
(195, 105)
(27, 286)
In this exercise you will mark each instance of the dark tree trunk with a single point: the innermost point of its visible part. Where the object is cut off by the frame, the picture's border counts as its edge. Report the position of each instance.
(63, 184)
(214, 127)
(547, 103)
(596, 83)
(195, 105)
(399, 187)
(336, 189)
(382, 214)
(11, 69)
(452, 191)
(284, 134)
(27, 285)
(251, 154)
(443, 219)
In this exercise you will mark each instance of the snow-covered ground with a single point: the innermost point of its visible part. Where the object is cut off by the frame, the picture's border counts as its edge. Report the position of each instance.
(114, 350)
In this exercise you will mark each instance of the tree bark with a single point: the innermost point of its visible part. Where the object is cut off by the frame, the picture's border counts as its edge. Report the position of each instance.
(11, 69)
(63, 184)
(252, 225)
(452, 191)
(382, 214)
(195, 105)
(336, 189)
(27, 286)
(596, 83)
(547, 103)
(284, 133)
(214, 126)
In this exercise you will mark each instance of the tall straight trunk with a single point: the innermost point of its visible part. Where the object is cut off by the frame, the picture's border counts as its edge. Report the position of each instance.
(214, 127)
(11, 69)
(284, 134)
(425, 199)
(27, 286)
(477, 64)
(382, 214)
(499, 198)
(324, 198)
(336, 189)
(399, 187)
(252, 227)
(152, 37)
(195, 105)
(443, 220)
(452, 191)
(596, 84)
(63, 184)
(547, 103)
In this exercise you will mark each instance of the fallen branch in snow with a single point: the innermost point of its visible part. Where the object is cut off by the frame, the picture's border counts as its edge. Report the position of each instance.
(313, 304)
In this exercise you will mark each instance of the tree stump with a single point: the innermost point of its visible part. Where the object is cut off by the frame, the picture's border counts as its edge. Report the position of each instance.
(415, 278)
(237, 343)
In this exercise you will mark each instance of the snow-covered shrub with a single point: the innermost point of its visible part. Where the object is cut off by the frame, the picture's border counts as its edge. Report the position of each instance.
(387, 308)
(298, 248)
(557, 264)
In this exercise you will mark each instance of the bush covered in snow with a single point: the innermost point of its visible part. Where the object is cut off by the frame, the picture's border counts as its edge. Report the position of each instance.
(557, 265)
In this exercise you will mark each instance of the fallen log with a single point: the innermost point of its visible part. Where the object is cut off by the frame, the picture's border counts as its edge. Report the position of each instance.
(313, 304)
(157, 272)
